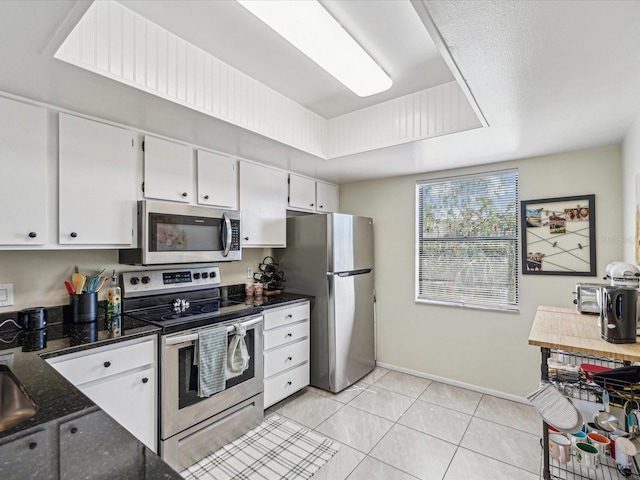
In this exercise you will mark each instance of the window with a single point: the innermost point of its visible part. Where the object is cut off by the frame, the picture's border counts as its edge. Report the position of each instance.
(467, 241)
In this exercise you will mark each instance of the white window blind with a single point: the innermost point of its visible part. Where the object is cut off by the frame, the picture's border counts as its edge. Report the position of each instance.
(467, 240)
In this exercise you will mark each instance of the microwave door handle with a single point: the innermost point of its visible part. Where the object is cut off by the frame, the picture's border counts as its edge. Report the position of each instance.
(226, 237)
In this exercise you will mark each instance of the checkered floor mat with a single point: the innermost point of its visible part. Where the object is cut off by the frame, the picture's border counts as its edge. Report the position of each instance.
(276, 449)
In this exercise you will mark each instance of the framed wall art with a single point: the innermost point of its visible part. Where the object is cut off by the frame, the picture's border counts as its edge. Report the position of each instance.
(559, 236)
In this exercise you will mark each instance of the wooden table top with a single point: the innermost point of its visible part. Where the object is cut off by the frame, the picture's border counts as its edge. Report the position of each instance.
(567, 329)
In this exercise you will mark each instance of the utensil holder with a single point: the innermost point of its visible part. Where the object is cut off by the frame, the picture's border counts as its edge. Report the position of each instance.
(83, 308)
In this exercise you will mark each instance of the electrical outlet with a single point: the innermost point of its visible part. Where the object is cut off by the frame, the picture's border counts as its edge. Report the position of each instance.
(6, 294)
(249, 272)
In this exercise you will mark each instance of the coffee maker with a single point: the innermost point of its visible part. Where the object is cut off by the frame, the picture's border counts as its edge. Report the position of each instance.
(618, 314)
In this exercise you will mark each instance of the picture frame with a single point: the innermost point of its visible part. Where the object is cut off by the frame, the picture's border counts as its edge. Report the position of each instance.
(559, 236)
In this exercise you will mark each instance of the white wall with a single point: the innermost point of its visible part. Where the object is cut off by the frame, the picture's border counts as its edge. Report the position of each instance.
(485, 349)
(38, 276)
(630, 170)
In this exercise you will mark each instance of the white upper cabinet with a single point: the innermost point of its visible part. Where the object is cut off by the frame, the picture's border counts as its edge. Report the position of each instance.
(24, 180)
(97, 183)
(309, 195)
(263, 202)
(168, 170)
(327, 198)
(217, 180)
(302, 193)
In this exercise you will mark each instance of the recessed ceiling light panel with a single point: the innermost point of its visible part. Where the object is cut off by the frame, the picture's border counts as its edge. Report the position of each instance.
(313, 31)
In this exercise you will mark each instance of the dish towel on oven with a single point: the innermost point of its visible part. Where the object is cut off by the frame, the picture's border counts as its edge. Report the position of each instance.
(211, 356)
(237, 355)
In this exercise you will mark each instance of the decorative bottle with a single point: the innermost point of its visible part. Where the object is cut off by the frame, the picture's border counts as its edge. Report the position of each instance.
(113, 310)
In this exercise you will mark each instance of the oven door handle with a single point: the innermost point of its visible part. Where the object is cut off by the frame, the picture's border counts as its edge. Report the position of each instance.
(190, 337)
(226, 235)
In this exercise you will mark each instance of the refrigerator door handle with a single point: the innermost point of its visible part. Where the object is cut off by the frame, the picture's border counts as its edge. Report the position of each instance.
(351, 273)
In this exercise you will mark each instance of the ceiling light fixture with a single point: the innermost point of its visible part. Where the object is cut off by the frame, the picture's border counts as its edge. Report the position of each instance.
(313, 31)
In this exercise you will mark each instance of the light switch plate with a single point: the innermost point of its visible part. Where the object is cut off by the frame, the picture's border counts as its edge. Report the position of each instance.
(6, 294)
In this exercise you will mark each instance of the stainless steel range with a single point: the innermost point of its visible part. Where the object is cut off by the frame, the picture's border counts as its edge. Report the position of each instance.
(185, 303)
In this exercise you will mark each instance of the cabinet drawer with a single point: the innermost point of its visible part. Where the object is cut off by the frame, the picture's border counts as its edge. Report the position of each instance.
(285, 316)
(289, 333)
(280, 359)
(105, 361)
(285, 384)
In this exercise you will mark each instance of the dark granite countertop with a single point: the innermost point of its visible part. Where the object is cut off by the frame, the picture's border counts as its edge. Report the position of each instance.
(60, 403)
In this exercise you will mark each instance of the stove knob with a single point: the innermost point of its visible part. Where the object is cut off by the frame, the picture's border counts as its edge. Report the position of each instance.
(134, 280)
(196, 276)
(212, 274)
(205, 275)
(146, 279)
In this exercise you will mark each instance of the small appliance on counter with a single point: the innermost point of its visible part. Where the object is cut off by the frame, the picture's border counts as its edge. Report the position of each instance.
(622, 274)
(619, 314)
(587, 296)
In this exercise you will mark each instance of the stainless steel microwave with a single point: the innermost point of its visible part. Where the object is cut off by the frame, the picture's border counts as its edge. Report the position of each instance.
(174, 233)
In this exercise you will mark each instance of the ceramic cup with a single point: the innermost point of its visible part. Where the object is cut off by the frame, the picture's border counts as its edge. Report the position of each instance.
(560, 447)
(587, 455)
(602, 443)
(621, 458)
(577, 437)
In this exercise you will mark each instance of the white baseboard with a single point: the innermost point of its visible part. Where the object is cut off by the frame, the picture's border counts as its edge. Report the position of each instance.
(455, 383)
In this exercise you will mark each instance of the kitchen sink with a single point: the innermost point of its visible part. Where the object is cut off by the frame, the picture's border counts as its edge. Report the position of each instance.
(16, 405)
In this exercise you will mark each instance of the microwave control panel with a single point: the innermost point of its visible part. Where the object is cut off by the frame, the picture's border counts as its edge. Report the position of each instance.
(235, 235)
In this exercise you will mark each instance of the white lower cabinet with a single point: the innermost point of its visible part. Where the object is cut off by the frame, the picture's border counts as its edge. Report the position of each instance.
(120, 378)
(286, 351)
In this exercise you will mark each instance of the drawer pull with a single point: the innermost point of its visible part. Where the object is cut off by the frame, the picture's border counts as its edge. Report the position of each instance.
(289, 382)
(289, 358)
(145, 380)
(73, 430)
(107, 364)
(289, 334)
(289, 316)
(33, 445)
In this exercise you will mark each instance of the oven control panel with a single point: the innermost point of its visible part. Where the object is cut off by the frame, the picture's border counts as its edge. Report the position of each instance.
(151, 282)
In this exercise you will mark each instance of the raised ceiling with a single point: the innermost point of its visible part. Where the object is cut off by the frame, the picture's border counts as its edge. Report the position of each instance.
(389, 30)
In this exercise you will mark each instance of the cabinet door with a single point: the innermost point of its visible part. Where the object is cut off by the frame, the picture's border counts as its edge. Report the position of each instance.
(23, 183)
(97, 183)
(326, 197)
(168, 170)
(217, 180)
(263, 201)
(94, 446)
(302, 193)
(131, 401)
(29, 457)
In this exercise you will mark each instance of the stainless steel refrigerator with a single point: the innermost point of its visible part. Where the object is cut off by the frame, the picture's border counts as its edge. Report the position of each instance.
(331, 257)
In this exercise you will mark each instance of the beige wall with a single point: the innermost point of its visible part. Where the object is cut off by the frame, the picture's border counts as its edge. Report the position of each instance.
(38, 276)
(484, 349)
(630, 172)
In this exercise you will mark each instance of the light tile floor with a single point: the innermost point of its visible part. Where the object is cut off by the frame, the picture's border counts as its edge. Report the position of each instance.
(396, 426)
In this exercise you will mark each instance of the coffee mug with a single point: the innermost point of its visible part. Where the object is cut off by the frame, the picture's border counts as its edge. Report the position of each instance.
(560, 447)
(587, 455)
(621, 458)
(577, 437)
(602, 443)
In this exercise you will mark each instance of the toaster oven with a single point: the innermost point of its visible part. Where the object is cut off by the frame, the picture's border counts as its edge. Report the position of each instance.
(587, 297)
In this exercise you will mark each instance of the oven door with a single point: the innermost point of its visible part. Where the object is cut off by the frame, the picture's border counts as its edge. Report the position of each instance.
(181, 406)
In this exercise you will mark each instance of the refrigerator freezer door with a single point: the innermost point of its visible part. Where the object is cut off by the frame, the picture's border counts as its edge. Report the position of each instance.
(351, 247)
(351, 325)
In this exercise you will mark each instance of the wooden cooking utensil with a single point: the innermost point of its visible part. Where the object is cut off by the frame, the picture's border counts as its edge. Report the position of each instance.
(78, 280)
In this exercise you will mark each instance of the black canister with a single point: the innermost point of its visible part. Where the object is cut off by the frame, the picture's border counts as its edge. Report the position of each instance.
(35, 340)
(83, 307)
(33, 318)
